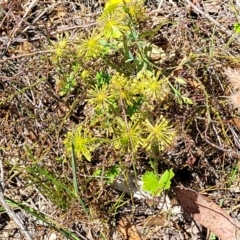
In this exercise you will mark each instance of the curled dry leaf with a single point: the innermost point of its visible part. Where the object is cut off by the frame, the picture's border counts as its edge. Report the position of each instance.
(208, 213)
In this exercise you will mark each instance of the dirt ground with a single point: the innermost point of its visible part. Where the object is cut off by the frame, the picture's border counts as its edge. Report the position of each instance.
(199, 42)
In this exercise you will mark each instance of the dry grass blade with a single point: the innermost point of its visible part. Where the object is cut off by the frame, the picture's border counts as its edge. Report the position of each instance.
(204, 14)
(14, 31)
(50, 83)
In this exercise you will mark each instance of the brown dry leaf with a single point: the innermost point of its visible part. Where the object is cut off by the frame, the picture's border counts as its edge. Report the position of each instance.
(155, 220)
(193, 83)
(208, 213)
(128, 230)
(212, 6)
(157, 53)
(236, 122)
(195, 2)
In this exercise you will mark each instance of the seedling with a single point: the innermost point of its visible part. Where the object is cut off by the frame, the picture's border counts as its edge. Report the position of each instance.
(155, 185)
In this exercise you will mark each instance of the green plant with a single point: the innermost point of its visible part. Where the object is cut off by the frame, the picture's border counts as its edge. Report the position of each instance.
(236, 27)
(59, 190)
(125, 94)
(155, 185)
(110, 175)
(51, 223)
(233, 175)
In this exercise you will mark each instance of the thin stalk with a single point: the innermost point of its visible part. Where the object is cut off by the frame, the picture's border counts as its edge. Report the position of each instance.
(75, 182)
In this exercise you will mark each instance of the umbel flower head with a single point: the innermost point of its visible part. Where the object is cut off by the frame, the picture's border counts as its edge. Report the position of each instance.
(60, 47)
(100, 98)
(152, 86)
(160, 134)
(115, 19)
(135, 8)
(80, 142)
(90, 47)
(112, 5)
(113, 25)
(233, 76)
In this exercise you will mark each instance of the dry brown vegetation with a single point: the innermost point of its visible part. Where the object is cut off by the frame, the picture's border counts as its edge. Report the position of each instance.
(199, 45)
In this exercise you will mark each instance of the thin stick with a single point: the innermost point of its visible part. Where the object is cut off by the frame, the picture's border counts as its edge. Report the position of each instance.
(20, 92)
(9, 211)
(26, 55)
(206, 15)
(14, 31)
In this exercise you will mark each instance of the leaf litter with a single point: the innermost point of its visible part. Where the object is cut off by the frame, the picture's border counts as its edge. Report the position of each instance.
(186, 35)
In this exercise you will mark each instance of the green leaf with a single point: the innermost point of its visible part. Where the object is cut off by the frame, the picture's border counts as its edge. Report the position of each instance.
(135, 106)
(154, 185)
(112, 174)
(237, 27)
(165, 180)
(187, 100)
(67, 84)
(97, 173)
(180, 81)
(102, 78)
(150, 182)
(130, 57)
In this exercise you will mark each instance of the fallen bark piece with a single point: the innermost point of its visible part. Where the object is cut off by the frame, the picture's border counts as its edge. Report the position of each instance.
(208, 214)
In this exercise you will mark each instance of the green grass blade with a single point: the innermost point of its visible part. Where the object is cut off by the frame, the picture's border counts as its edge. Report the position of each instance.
(75, 182)
(45, 219)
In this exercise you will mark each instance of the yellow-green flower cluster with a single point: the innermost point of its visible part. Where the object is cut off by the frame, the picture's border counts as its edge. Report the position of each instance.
(134, 7)
(159, 134)
(152, 87)
(100, 97)
(90, 47)
(80, 142)
(59, 48)
(113, 26)
(128, 135)
(114, 21)
(122, 88)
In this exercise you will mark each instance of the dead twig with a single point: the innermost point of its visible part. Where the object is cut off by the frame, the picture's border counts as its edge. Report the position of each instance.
(15, 30)
(25, 55)
(206, 15)
(60, 29)
(221, 148)
(9, 211)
